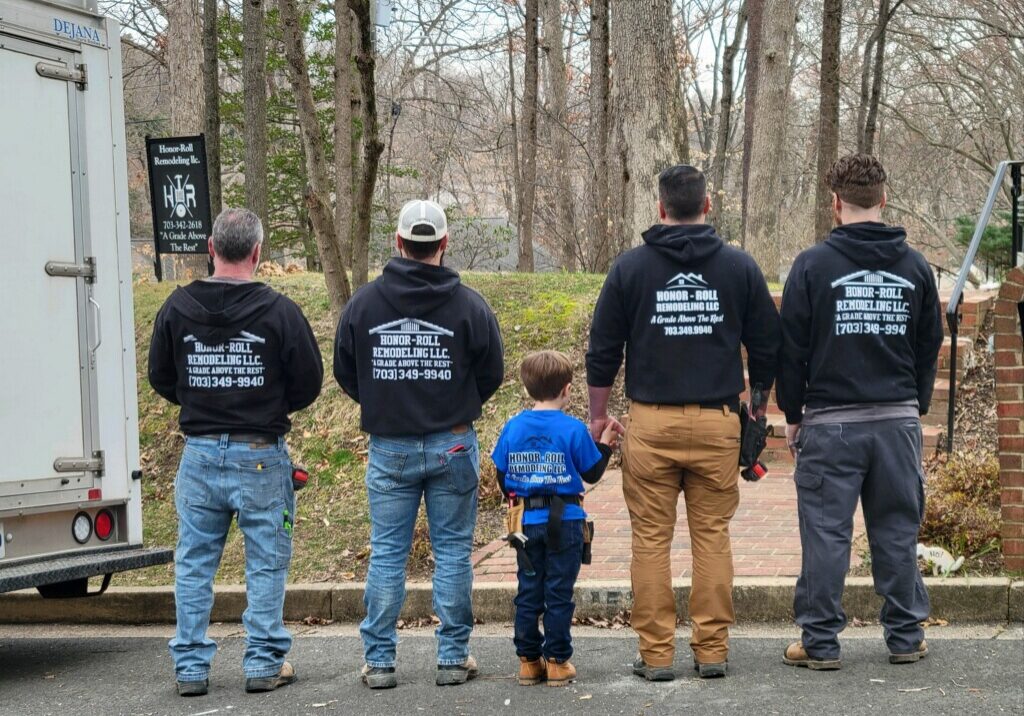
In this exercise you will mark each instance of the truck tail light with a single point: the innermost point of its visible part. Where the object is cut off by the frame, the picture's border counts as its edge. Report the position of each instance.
(95, 494)
(81, 528)
(104, 524)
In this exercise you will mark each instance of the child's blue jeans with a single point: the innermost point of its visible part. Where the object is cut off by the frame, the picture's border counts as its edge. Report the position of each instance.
(548, 594)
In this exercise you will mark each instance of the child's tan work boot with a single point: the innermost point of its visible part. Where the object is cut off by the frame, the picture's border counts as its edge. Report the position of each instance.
(560, 673)
(532, 671)
(796, 655)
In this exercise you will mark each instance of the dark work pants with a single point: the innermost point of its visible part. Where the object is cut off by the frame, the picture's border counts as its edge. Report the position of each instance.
(548, 594)
(880, 463)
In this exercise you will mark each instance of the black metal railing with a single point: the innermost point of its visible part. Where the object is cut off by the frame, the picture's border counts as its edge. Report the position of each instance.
(955, 300)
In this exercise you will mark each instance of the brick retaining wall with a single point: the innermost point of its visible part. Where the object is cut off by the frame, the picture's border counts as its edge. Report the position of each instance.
(1009, 348)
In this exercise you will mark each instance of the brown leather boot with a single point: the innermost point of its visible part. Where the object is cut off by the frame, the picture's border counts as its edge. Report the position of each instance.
(796, 655)
(560, 673)
(532, 671)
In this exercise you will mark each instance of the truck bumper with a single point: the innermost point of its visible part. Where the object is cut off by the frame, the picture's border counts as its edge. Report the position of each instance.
(82, 565)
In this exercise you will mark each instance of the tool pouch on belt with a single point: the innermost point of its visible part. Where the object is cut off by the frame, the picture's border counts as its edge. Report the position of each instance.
(588, 539)
(753, 436)
(515, 536)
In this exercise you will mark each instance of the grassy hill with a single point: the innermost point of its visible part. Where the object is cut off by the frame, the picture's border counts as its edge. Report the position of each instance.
(332, 528)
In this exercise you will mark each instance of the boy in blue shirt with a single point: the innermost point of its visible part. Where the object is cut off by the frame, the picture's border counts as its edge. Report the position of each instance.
(543, 457)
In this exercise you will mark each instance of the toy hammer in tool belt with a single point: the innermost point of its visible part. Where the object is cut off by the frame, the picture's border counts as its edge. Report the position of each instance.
(753, 435)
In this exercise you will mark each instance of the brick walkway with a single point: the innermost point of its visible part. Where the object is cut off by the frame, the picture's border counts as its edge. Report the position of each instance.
(765, 535)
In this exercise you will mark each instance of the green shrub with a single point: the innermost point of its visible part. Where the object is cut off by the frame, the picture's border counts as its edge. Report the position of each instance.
(962, 506)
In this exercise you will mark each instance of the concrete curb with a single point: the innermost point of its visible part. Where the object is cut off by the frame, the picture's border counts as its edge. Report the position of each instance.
(757, 600)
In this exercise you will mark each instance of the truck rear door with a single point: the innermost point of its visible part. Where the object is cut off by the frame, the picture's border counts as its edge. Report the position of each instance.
(50, 322)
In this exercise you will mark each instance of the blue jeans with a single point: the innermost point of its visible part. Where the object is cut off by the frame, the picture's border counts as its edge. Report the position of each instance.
(400, 472)
(216, 481)
(548, 594)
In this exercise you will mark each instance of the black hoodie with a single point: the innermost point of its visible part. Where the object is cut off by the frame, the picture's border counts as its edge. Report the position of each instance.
(861, 323)
(237, 357)
(419, 351)
(681, 305)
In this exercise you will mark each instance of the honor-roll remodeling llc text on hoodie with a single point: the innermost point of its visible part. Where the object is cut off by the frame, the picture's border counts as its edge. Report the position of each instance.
(861, 323)
(419, 351)
(237, 356)
(682, 304)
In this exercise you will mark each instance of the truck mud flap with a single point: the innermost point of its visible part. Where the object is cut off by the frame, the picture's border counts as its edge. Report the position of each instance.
(78, 567)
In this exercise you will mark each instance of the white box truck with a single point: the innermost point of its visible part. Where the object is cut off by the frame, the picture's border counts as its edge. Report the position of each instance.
(70, 492)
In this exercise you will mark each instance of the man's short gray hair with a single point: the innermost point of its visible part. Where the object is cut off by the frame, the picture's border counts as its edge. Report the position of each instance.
(236, 232)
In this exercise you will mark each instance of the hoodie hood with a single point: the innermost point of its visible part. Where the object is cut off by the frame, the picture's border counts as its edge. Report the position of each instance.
(219, 309)
(869, 244)
(685, 244)
(414, 288)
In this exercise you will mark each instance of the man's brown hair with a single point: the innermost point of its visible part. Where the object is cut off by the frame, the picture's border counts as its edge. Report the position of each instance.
(858, 179)
(545, 374)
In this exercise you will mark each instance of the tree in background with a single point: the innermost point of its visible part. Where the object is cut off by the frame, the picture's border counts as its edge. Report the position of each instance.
(254, 92)
(726, 120)
(554, 51)
(343, 166)
(764, 197)
(529, 141)
(828, 108)
(211, 100)
(755, 14)
(996, 240)
(600, 246)
(650, 131)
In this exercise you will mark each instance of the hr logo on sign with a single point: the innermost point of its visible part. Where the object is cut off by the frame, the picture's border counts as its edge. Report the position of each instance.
(179, 196)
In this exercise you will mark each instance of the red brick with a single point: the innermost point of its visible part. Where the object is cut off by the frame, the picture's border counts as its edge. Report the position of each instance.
(1010, 426)
(1010, 410)
(1009, 477)
(1006, 306)
(1013, 530)
(1005, 324)
(1008, 341)
(1011, 443)
(1009, 393)
(1007, 358)
(1013, 513)
(1011, 495)
(1013, 548)
(1009, 375)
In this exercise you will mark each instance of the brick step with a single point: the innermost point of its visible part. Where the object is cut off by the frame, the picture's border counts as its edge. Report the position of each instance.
(965, 347)
(973, 311)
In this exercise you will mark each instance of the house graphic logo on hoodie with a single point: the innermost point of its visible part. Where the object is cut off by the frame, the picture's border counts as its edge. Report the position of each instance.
(687, 306)
(235, 363)
(872, 303)
(410, 349)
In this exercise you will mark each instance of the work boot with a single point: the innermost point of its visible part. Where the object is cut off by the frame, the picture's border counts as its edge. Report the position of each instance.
(920, 653)
(653, 673)
(455, 674)
(796, 655)
(714, 670)
(532, 671)
(268, 683)
(193, 688)
(379, 677)
(560, 673)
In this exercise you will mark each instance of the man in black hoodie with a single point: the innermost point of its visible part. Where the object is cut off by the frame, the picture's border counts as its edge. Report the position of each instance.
(421, 354)
(862, 328)
(238, 357)
(681, 305)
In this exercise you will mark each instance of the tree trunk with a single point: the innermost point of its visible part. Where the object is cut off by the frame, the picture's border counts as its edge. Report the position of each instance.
(764, 198)
(211, 91)
(343, 128)
(648, 106)
(372, 147)
(318, 189)
(725, 122)
(254, 91)
(598, 145)
(872, 72)
(517, 173)
(828, 128)
(755, 15)
(529, 143)
(565, 221)
(188, 111)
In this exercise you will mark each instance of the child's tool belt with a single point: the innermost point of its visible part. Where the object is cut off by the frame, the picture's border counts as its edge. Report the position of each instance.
(556, 507)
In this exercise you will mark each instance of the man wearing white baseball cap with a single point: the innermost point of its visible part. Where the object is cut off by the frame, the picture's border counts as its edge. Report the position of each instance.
(421, 354)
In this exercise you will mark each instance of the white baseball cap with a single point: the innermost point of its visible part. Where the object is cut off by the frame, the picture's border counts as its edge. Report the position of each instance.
(423, 221)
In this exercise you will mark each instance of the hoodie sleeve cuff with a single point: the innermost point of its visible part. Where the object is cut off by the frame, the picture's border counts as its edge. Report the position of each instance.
(794, 417)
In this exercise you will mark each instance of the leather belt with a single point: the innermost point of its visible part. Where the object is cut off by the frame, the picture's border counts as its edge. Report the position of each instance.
(241, 437)
(556, 508)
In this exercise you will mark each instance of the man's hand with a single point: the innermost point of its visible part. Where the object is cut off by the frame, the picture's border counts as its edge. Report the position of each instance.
(792, 435)
(600, 425)
(610, 434)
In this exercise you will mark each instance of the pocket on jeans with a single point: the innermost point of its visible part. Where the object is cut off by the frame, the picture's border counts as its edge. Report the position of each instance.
(191, 484)
(463, 469)
(384, 469)
(266, 489)
(808, 480)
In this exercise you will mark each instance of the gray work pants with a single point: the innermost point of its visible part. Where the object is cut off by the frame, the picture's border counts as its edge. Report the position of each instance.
(880, 463)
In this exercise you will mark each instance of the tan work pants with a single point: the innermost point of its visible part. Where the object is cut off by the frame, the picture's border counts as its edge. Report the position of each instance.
(668, 449)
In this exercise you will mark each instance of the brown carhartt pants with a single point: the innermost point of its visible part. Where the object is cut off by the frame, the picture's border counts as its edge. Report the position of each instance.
(668, 449)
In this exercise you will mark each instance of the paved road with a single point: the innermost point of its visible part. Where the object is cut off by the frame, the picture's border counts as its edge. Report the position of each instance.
(94, 670)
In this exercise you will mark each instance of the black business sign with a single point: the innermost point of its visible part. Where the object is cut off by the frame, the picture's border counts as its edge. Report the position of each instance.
(179, 194)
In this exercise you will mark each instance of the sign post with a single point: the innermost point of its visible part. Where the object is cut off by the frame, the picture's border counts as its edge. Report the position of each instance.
(179, 196)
